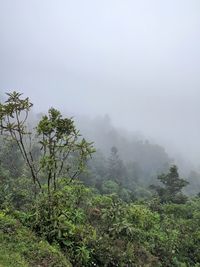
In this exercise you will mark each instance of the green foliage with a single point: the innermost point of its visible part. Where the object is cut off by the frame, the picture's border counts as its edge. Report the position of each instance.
(48, 218)
(13, 125)
(173, 184)
(68, 224)
(111, 175)
(60, 141)
(20, 247)
(110, 187)
(95, 230)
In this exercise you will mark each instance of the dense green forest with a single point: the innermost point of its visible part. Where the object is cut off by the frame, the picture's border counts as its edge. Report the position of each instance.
(66, 201)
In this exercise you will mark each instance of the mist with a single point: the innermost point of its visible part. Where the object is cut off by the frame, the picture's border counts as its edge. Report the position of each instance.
(137, 61)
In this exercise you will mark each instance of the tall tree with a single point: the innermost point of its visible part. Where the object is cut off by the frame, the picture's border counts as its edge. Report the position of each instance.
(173, 185)
(116, 168)
(60, 143)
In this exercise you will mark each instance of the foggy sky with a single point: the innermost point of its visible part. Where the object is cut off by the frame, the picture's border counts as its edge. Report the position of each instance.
(138, 61)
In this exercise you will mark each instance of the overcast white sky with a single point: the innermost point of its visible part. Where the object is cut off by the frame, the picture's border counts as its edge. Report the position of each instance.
(138, 61)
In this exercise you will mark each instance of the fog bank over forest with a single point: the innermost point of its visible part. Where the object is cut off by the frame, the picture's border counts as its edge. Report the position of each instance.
(99, 133)
(105, 134)
(137, 61)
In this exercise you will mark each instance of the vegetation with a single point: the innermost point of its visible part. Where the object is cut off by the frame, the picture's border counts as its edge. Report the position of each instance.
(171, 192)
(53, 213)
(20, 247)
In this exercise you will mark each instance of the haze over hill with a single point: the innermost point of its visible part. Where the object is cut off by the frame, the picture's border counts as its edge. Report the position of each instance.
(99, 133)
(137, 61)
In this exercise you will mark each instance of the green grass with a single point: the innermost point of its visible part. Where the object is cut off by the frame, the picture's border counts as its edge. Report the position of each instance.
(11, 259)
(19, 247)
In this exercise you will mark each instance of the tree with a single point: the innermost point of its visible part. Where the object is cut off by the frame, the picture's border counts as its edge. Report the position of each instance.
(61, 146)
(110, 187)
(173, 185)
(13, 118)
(116, 168)
(63, 152)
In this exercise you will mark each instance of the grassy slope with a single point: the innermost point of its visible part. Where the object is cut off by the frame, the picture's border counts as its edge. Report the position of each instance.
(20, 248)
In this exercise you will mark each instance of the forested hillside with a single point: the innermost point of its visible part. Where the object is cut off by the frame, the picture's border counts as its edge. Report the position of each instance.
(142, 160)
(65, 203)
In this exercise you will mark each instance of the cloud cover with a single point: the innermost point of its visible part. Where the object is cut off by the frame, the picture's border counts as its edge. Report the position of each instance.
(138, 61)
